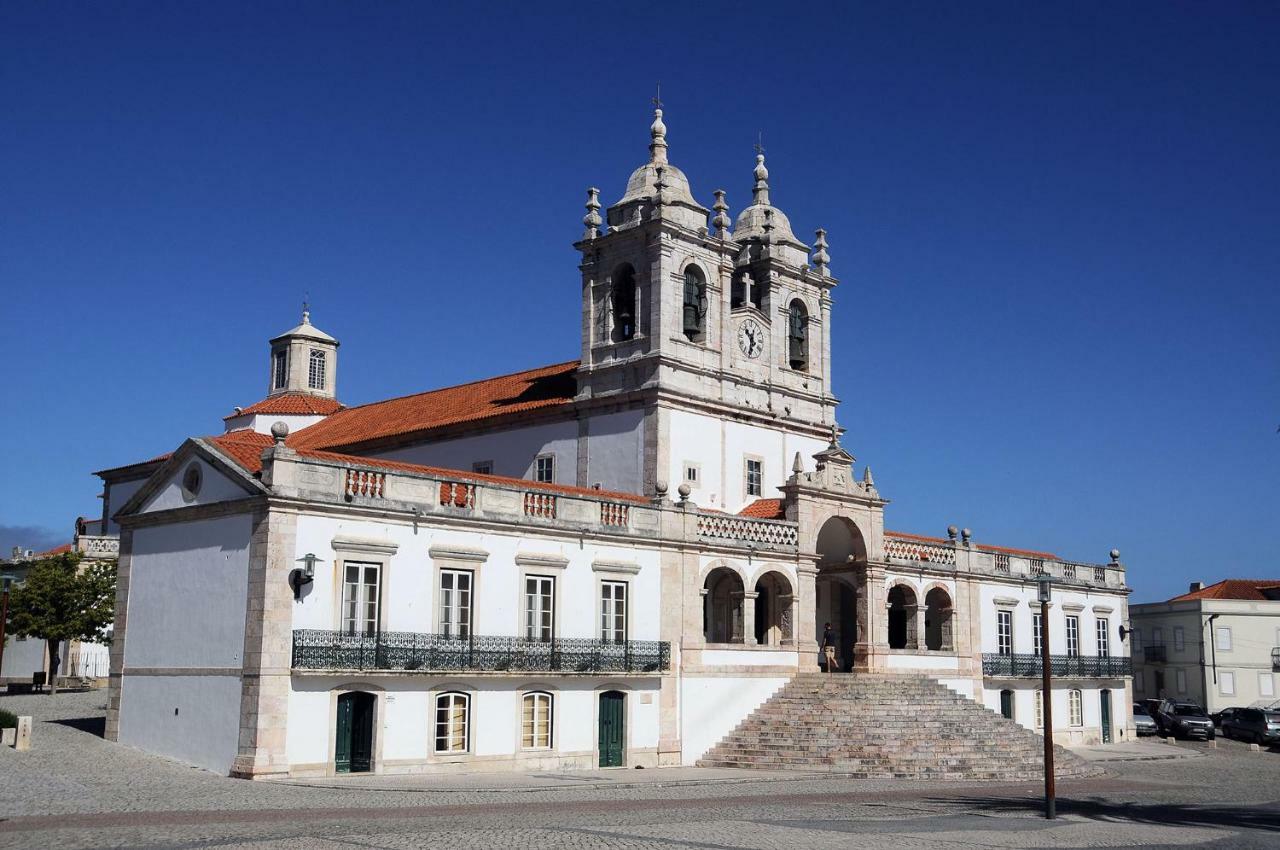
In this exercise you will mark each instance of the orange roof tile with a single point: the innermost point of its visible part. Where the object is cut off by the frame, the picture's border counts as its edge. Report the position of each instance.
(56, 550)
(533, 389)
(291, 404)
(1027, 553)
(1236, 588)
(764, 509)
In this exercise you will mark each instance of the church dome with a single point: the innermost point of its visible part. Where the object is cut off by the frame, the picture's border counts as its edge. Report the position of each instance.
(762, 217)
(643, 184)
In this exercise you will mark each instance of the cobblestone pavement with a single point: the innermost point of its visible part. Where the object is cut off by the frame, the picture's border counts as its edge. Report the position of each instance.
(74, 790)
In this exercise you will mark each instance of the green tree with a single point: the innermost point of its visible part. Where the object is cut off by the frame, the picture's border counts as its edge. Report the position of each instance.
(60, 601)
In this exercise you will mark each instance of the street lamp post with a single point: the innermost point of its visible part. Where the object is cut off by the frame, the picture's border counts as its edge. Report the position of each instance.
(5, 581)
(1045, 582)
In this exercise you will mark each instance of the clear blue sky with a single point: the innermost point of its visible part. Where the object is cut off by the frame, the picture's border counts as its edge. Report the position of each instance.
(1056, 228)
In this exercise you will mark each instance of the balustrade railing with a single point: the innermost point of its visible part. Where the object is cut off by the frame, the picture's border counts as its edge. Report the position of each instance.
(614, 514)
(458, 494)
(1002, 563)
(1028, 665)
(318, 649)
(763, 532)
(363, 482)
(1158, 654)
(918, 550)
(540, 505)
(98, 546)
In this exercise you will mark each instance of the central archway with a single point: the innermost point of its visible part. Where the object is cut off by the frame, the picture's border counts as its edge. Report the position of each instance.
(842, 565)
(722, 614)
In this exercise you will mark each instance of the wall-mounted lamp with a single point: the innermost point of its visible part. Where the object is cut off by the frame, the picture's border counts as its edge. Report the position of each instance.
(302, 576)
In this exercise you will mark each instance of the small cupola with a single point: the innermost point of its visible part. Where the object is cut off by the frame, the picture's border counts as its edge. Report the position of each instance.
(304, 359)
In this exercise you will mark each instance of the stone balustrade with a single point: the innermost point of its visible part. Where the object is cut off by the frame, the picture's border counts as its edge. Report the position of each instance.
(98, 545)
(905, 549)
(1000, 563)
(757, 533)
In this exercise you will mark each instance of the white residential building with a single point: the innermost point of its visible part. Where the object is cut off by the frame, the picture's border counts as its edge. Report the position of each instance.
(609, 561)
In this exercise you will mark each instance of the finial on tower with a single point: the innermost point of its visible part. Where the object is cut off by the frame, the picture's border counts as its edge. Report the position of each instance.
(660, 188)
(721, 220)
(820, 256)
(835, 436)
(797, 465)
(760, 194)
(306, 309)
(658, 130)
(592, 219)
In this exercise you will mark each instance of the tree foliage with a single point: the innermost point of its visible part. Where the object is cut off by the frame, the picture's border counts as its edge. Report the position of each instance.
(59, 601)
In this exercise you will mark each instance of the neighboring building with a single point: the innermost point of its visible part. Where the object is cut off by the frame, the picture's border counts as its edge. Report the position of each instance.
(1218, 646)
(82, 661)
(610, 561)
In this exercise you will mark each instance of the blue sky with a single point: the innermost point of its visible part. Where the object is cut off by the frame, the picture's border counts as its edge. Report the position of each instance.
(1055, 229)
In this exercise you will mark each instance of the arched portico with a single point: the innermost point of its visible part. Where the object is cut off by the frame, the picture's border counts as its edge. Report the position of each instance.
(902, 611)
(774, 607)
(723, 610)
(841, 588)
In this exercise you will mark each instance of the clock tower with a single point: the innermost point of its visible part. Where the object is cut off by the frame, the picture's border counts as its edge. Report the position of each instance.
(717, 334)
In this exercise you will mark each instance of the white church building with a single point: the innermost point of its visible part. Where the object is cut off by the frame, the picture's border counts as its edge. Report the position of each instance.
(611, 561)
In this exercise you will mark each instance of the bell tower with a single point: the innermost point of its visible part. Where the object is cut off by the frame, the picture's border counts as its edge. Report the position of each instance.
(304, 359)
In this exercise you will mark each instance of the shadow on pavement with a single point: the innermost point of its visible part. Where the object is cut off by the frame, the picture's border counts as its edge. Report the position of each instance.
(1265, 816)
(96, 726)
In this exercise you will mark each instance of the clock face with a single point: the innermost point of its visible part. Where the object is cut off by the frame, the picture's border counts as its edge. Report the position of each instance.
(751, 338)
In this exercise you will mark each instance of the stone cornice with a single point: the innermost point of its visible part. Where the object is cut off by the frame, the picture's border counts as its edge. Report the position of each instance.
(370, 545)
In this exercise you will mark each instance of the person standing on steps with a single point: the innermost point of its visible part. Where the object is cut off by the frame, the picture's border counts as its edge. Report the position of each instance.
(828, 647)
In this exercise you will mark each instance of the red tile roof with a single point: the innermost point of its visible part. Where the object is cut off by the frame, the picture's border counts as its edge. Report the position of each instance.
(534, 389)
(1236, 588)
(56, 550)
(245, 448)
(764, 509)
(1026, 553)
(291, 404)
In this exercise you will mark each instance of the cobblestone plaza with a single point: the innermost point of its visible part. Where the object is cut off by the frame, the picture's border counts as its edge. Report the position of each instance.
(75, 790)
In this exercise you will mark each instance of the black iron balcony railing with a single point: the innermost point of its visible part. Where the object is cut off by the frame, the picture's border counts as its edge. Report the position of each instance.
(1028, 665)
(1155, 654)
(317, 649)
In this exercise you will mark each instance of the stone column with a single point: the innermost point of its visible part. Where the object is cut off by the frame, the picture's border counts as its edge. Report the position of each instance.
(918, 611)
(115, 680)
(749, 617)
(787, 618)
(805, 606)
(874, 640)
(268, 647)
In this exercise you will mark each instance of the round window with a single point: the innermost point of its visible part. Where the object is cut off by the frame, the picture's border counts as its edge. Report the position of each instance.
(191, 480)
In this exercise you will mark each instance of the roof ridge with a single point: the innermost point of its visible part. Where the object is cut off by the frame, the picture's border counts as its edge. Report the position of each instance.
(574, 362)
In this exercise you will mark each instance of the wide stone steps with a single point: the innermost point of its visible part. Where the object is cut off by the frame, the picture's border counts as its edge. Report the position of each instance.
(885, 726)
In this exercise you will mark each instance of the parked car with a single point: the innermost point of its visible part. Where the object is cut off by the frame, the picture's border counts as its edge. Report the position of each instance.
(1185, 720)
(1143, 722)
(1254, 725)
(1152, 706)
(1219, 716)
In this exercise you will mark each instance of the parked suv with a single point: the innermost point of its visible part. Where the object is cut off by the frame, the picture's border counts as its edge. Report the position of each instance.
(1143, 723)
(1184, 720)
(1252, 724)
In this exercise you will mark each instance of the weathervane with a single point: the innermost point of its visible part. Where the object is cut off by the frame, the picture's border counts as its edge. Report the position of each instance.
(657, 96)
(760, 141)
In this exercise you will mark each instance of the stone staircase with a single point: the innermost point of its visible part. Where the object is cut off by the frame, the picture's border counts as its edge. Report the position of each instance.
(886, 726)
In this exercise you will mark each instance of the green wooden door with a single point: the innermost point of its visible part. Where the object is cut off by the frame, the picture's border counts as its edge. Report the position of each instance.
(612, 731)
(353, 743)
(1006, 704)
(342, 741)
(1106, 717)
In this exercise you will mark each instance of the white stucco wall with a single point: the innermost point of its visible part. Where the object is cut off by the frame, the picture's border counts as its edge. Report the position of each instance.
(512, 452)
(194, 719)
(721, 448)
(1087, 605)
(116, 496)
(710, 708)
(22, 658)
(214, 487)
(262, 422)
(187, 587)
(615, 451)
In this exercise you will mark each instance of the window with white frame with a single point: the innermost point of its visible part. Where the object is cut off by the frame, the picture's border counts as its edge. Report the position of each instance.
(280, 362)
(453, 722)
(1180, 681)
(1004, 632)
(544, 469)
(755, 477)
(1179, 639)
(360, 598)
(1075, 706)
(692, 474)
(539, 607)
(455, 603)
(1039, 709)
(1227, 683)
(1266, 685)
(1037, 634)
(1073, 637)
(535, 721)
(1224, 638)
(315, 370)
(613, 611)
(1104, 637)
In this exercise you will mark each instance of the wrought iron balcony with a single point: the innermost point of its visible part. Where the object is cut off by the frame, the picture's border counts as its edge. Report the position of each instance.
(1155, 654)
(1028, 665)
(317, 649)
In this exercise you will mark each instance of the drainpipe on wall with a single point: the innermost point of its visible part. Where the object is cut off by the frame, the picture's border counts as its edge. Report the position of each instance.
(1213, 650)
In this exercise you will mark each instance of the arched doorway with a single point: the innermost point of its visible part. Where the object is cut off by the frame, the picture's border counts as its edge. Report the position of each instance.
(937, 621)
(773, 610)
(902, 617)
(722, 611)
(842, 564)
(353, 735)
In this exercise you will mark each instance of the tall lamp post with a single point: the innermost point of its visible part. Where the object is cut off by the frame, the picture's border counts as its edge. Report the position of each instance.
(1045, 582)
(5, 581)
